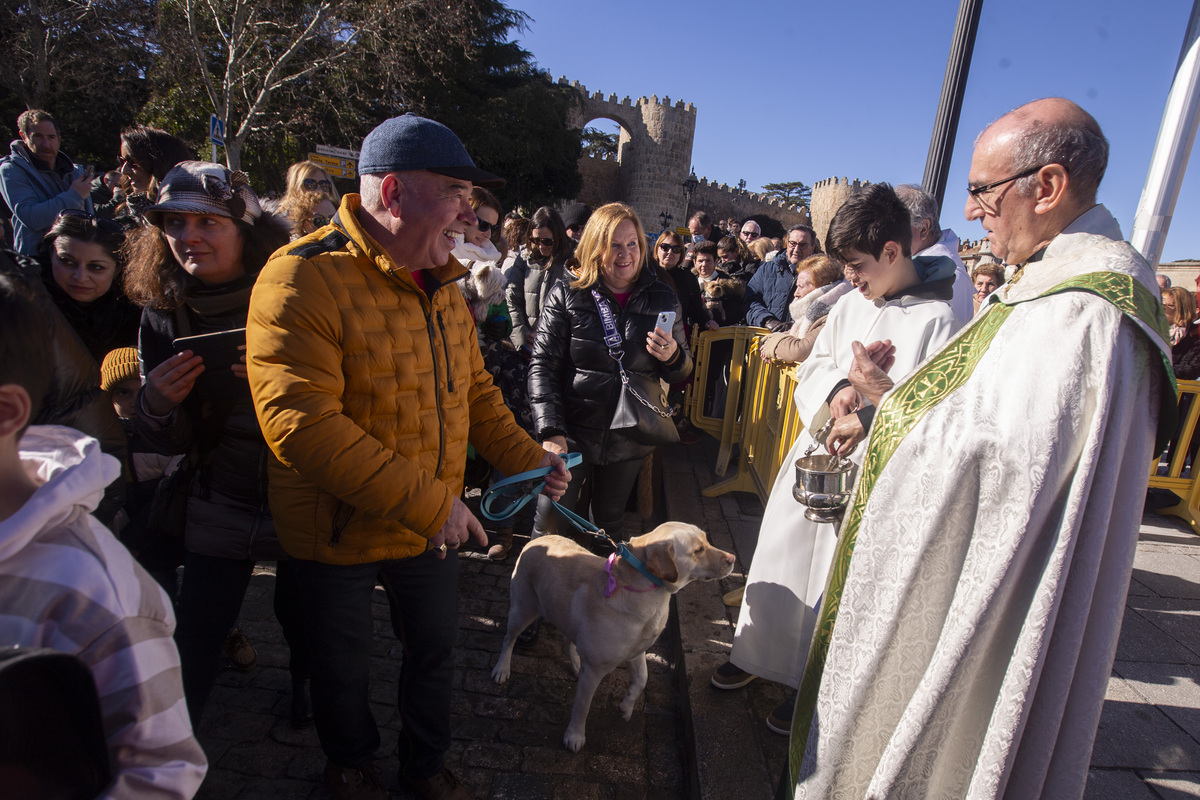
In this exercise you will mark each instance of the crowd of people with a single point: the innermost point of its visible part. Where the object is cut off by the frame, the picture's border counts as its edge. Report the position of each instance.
(312, 381)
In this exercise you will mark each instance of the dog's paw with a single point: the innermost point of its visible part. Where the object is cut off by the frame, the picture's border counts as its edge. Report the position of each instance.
(627, 706)
(500, 673)
(574, 740)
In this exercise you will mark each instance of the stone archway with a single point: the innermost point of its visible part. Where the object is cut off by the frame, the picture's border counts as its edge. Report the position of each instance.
(654, 153)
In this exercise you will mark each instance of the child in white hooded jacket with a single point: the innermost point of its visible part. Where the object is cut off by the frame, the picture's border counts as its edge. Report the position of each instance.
(67, 584)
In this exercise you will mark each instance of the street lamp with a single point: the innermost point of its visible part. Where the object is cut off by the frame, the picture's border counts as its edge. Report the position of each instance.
(689, 186)
(665, 217)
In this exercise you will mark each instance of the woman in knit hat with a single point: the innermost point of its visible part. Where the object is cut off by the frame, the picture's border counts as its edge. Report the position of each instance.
(194, 267)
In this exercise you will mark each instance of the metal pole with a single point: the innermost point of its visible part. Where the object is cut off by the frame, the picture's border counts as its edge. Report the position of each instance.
(1169, 161)
(945, 124)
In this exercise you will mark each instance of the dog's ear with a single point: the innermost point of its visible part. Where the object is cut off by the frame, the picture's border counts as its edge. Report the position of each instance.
(660, 559)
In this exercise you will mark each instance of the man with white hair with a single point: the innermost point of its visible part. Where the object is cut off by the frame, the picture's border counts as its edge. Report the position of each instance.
(971, 617)
(929, 239)
(751, 230)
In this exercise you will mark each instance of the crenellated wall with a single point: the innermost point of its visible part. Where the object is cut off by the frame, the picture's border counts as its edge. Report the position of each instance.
(722, 201)
(827, 197)
(654, 152)
(654, 158)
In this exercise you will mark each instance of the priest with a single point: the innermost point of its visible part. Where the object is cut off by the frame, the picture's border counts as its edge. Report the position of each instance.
(972, 611)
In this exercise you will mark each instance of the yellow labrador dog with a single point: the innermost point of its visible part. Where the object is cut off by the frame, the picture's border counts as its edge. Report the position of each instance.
(607, 610)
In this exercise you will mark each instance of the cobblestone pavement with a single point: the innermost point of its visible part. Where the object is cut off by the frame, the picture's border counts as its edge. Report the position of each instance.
(507, 740)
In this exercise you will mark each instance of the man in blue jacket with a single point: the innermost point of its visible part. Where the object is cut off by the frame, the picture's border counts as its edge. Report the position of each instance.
(770, 290)
(39, 182)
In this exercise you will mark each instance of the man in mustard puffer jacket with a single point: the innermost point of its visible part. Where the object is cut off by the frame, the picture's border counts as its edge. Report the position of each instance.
(369, 384)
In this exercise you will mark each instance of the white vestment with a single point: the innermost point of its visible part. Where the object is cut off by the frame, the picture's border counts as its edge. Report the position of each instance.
(964, 290)
(787, 573)
(988, 553)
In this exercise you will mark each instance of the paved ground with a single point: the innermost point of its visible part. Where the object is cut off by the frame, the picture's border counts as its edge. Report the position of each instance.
(507, 740)
(686, 739)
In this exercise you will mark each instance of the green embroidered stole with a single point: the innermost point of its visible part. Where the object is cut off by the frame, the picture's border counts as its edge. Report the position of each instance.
(906, 406)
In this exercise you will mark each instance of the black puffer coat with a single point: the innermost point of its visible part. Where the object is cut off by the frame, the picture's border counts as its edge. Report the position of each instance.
(227, 512)
(574, 384)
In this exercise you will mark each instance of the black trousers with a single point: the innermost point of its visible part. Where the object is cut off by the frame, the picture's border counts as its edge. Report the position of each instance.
(336, 607)
(209, 601)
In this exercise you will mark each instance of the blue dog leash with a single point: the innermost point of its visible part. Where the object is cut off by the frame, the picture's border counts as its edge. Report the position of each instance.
(515, 485)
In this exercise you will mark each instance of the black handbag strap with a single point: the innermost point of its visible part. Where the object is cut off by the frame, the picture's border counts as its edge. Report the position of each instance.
(614, 341)
(612, 336)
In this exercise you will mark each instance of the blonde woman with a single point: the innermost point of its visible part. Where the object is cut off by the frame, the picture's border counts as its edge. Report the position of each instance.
(819, 285)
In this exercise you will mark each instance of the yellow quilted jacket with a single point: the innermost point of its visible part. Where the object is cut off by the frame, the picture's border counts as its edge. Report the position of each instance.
(367, 392)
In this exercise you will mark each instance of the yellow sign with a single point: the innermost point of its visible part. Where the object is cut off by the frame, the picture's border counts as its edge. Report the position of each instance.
(337, 167)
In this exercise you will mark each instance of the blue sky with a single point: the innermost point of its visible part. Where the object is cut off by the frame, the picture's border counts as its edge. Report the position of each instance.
(805, 91)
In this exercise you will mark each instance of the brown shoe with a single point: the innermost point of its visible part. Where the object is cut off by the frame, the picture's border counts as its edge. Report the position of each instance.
(499, 550)
(440, 786)
(350, 783)
(237, 648)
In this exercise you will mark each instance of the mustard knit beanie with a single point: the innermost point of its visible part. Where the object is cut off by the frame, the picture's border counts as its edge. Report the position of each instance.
(119, 365)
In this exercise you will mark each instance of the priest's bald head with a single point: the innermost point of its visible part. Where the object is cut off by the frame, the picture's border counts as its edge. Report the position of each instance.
(1034, 172)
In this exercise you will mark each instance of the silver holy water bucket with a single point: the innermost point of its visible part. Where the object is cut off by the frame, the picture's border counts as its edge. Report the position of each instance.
(823, 486)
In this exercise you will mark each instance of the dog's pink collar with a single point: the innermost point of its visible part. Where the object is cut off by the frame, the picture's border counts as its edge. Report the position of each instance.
(610, 587)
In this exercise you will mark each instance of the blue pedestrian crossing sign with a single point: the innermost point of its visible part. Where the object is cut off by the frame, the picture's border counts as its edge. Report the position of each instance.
(216, 130)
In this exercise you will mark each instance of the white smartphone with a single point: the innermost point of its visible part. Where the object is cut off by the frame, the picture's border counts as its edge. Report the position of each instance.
(666, 322)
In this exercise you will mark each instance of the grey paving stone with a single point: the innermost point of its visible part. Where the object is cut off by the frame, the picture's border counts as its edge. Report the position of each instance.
(1143, 640)
(1135, 735)
(1174, 689)
(1116, 784)
(1169, 574)
(1178, 619)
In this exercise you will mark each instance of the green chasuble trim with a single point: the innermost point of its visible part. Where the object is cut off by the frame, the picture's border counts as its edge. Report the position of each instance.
(905, 407)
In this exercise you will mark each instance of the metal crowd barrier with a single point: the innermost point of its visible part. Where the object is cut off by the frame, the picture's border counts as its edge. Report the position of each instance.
(758, 412)
(723, 423)
(1171, 470)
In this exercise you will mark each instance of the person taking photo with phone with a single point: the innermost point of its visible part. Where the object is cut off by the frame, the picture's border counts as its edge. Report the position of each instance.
(39, 181)
(575, 384)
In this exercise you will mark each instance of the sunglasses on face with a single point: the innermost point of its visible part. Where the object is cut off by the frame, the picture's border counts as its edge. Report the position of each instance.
(320, 221)
(106, 225)
(540, 242)
(484, 227)
(313, 185)
(670, 248)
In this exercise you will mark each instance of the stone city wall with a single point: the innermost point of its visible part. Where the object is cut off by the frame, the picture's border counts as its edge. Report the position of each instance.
(654, 152)
(722, 201)
(601, 181)
(827, 197)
